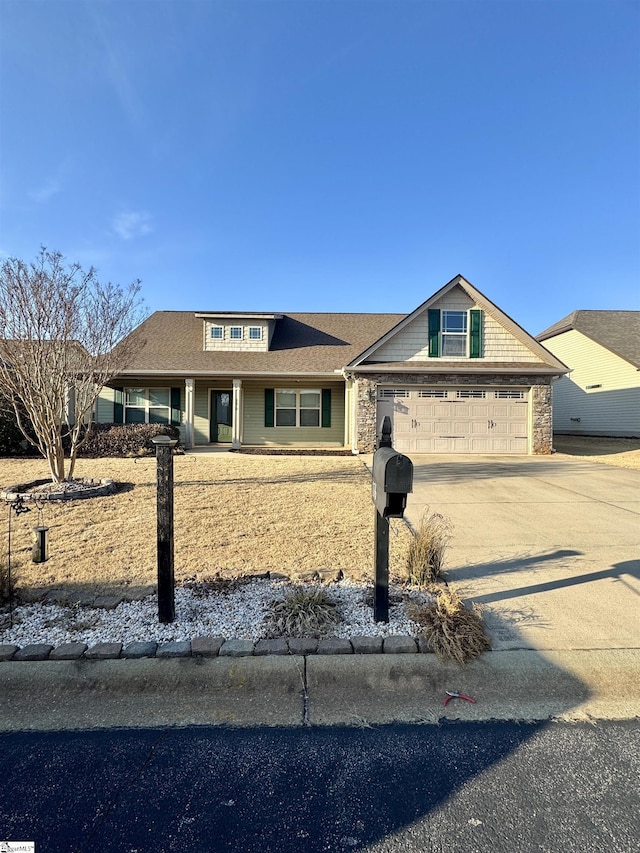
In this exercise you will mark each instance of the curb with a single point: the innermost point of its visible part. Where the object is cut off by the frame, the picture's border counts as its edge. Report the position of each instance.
(318, 690)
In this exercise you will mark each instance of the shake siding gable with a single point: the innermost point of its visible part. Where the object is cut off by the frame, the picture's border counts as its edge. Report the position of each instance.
(497, 344)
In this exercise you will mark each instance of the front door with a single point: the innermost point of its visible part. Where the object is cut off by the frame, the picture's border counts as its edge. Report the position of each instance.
(220, 421)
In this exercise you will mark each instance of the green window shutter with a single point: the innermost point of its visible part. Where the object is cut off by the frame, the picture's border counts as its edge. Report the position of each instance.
(175, 407)
(475, 349)
(268, 406)
(434, 332)
(118, 405)
(326, 407)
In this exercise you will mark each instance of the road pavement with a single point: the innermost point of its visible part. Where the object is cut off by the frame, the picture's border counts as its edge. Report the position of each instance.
(468, 787)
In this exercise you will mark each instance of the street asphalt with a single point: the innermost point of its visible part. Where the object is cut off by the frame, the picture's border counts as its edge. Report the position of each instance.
(547, 545)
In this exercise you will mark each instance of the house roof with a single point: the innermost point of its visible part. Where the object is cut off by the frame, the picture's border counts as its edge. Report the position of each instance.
(548, 363)
(308, 343)
(617, 331)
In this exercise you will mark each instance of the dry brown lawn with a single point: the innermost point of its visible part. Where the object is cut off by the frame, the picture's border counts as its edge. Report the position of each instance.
(235, 514)
(620, 452)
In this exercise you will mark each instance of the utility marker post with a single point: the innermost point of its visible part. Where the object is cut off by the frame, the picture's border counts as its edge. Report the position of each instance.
(392, 479)
(166, 580)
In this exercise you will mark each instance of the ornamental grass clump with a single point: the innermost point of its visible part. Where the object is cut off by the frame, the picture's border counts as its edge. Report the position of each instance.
(303, 612)
(425, 559)
(452, 631)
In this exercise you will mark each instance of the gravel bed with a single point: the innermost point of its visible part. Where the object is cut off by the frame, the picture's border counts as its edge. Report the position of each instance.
(237, 614)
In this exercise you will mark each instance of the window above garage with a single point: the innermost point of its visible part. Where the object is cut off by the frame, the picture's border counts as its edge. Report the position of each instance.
(455, 334)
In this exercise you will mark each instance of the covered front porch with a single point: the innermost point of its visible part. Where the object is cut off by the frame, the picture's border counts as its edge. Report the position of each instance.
(236, 412)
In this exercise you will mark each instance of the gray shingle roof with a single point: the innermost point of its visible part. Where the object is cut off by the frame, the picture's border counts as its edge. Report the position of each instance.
(172, 342)
(618, 331)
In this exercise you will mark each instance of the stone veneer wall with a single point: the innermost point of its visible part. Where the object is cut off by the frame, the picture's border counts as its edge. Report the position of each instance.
(367, 393)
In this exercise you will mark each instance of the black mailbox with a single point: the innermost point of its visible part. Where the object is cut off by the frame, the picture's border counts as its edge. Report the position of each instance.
(392, 481)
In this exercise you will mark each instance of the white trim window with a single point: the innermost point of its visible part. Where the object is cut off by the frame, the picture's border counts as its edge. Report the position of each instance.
(255, 333)
(297, 408)
(147, 405)
(454, 333)
(236, 333)
(216, 333)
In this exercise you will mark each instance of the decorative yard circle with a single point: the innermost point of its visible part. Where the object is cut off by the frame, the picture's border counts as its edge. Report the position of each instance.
(67, 490)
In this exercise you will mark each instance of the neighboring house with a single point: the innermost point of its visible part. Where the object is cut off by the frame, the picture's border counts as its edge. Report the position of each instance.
(601, 394)
(456, 375)
(60, 359)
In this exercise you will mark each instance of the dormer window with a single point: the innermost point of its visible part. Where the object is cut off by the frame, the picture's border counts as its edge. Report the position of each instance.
(238, 332)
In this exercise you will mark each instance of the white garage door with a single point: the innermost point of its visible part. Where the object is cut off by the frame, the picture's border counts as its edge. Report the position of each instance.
(456, 420)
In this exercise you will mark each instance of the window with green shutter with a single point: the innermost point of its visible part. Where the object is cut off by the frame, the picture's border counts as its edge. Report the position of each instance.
(326, 407)
(175, 407)
(118, 405)
(269, 395)
(475, 342)
(455, 334)
(434, 332)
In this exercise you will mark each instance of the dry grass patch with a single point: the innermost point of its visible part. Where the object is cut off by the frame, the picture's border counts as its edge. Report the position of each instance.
(452, 631)
(235, 514)
(619, 452)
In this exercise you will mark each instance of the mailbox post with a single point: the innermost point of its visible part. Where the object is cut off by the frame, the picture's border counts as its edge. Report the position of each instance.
(166, 581)
(392, 480)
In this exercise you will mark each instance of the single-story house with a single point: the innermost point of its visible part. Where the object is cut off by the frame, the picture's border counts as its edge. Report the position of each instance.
(457, 375)
(601, 393)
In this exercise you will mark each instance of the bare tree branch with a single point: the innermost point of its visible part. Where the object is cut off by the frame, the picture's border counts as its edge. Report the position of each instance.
(63, 336)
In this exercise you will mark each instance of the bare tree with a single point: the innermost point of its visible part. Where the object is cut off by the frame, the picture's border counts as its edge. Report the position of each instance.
(63, 337)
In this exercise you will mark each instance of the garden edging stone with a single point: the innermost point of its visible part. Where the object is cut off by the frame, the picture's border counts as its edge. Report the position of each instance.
(215, 647)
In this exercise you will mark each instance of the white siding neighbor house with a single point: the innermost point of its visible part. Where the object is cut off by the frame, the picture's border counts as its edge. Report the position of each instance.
(601, 393)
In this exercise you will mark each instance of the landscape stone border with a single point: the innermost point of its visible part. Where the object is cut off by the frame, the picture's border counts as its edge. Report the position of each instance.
(200, 646)
(95, 488)
(210, 647)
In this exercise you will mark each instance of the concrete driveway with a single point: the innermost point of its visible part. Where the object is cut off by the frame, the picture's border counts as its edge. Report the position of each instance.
(549, 546)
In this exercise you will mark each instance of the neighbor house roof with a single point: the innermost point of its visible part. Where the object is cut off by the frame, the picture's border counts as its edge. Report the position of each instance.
(308, 343)
(617, 331)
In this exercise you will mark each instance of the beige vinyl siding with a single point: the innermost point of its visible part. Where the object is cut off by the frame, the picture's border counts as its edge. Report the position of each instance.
(255, 432)
(611, 409)
(412, 342)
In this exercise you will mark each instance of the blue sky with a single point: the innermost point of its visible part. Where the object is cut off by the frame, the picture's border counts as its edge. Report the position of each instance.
(307, 155)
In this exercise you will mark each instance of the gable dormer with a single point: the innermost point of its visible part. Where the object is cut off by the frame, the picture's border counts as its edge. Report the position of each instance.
(238, 332)
(457, 326)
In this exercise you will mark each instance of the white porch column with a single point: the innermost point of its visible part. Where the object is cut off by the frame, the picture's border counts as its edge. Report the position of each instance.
(236, 420)
(188, 412)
